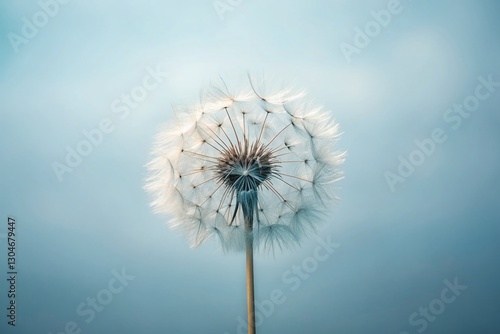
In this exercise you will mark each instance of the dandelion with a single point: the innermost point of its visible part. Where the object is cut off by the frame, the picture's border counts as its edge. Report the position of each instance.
(251, 167)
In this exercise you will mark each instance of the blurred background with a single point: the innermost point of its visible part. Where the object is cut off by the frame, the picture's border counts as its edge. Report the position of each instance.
(416, 229)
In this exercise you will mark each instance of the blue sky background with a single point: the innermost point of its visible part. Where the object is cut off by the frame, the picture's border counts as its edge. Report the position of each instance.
(396, 247)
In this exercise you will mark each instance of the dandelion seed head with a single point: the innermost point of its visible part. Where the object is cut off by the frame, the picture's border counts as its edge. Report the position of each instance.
(246, 158)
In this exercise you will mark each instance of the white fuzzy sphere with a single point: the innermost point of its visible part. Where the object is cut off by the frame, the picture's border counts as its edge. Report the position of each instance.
(290, 177)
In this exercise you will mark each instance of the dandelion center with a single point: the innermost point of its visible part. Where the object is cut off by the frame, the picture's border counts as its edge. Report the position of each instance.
(244, 166)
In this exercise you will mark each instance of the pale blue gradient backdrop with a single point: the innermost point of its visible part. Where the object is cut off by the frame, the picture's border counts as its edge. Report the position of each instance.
(397, 247)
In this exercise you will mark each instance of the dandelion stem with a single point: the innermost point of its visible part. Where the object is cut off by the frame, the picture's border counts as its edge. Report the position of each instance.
(250, 285)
